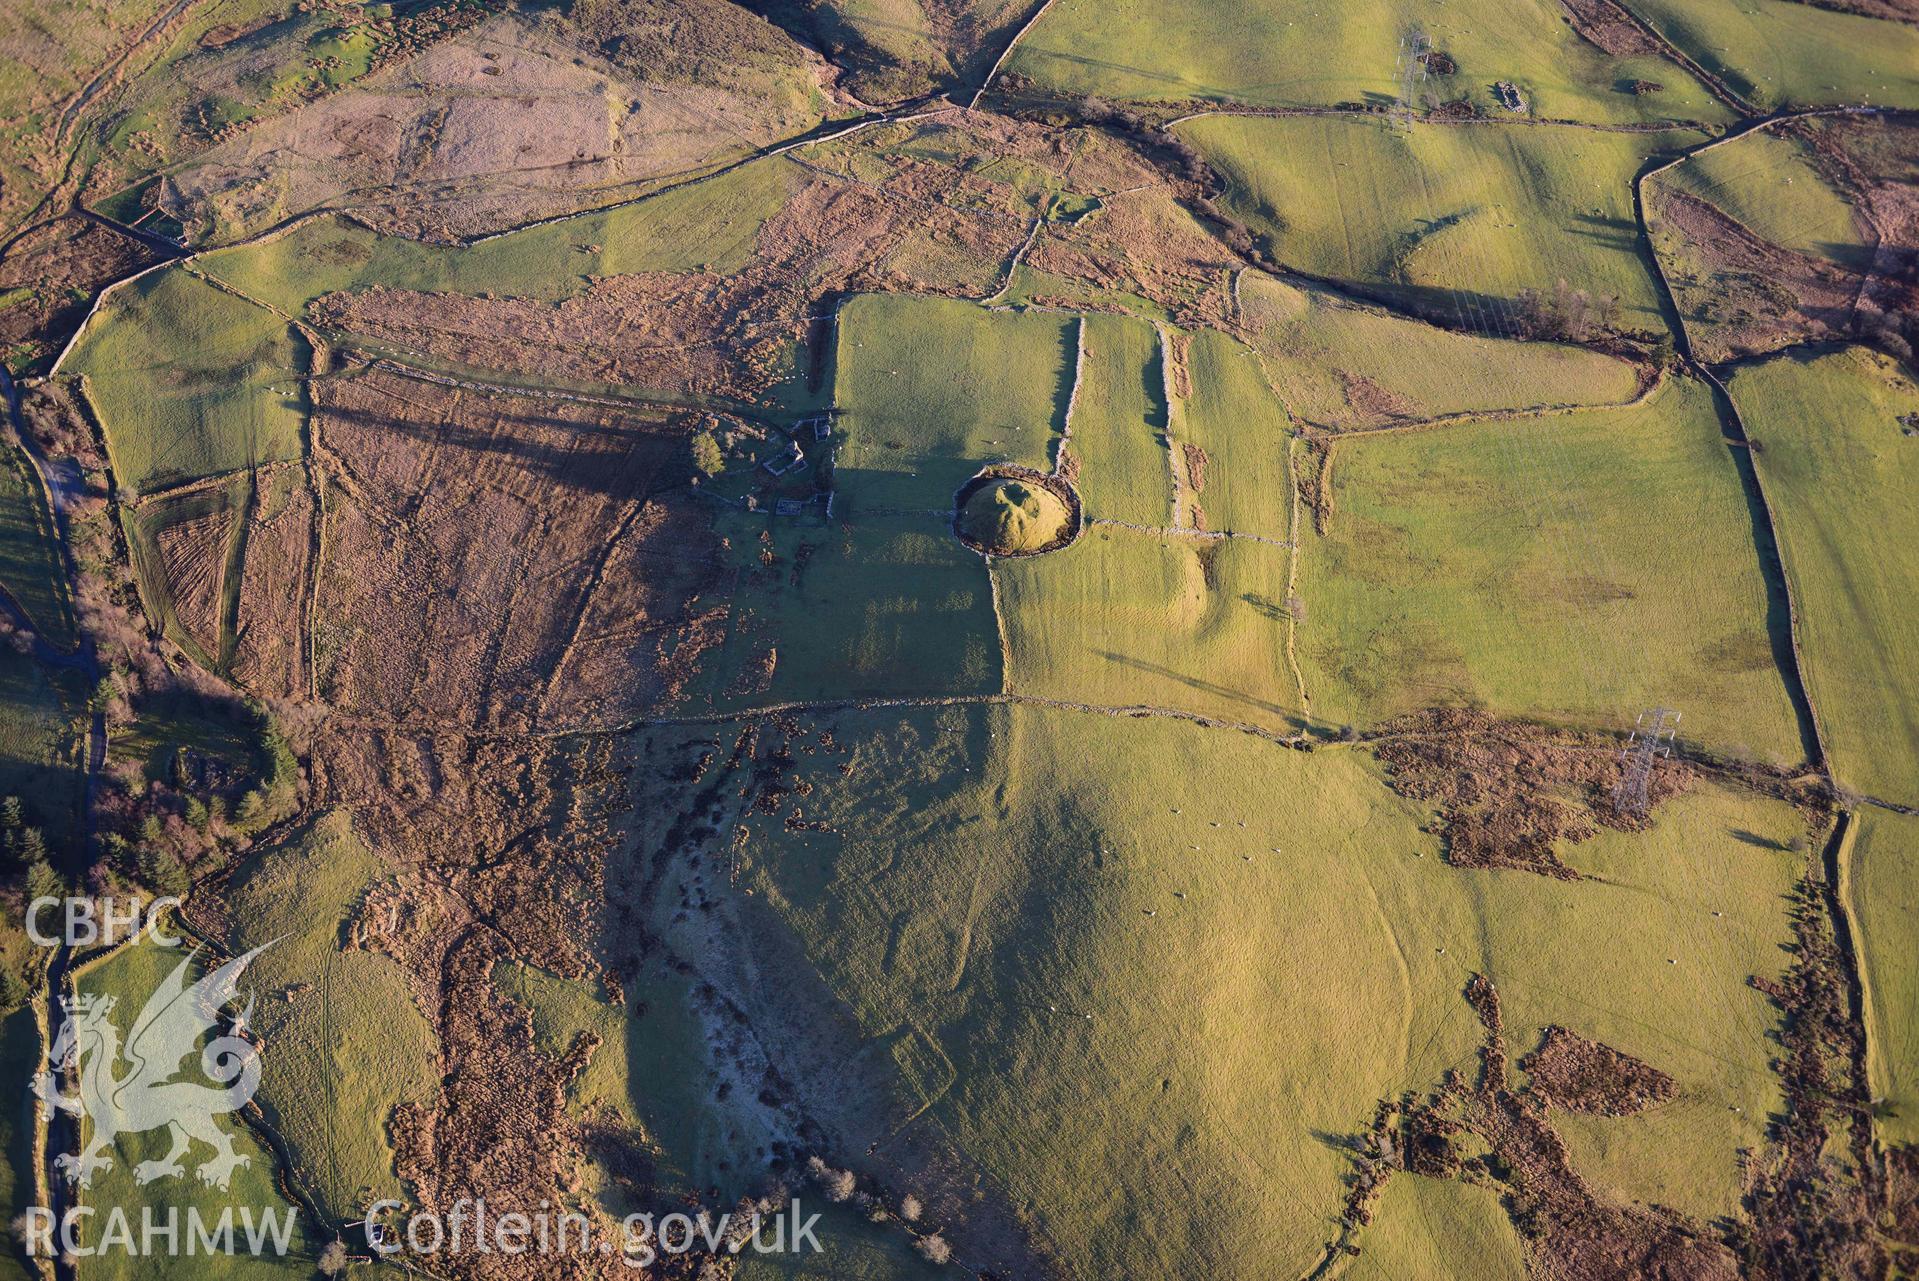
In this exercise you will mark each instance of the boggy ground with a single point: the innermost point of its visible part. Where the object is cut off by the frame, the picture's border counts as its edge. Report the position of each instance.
(1499, 1133)
(1510, 794)
(1746, 295)
(529, 539)
(1582, 1075)
(695, 333)
(522, 117)
(893, 211)
(49, 277)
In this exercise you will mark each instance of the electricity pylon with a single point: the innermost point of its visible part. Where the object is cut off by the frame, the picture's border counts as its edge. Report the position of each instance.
(1651, 738)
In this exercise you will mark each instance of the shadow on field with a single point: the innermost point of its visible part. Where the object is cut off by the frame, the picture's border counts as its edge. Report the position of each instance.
(1460, 310)
(1268, 608)
(617, 461)
(1352, 1144)
(1287, 714)
(1063, 388)
(1852, 257)
(1621, 235)
(1785, 656)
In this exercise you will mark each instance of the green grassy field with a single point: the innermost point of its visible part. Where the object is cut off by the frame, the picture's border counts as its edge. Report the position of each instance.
(564, 1009)
(1431, 209)
(131, 975)
(347, 1040)
(1271, 56)
(892, 42)
(651, 1076)
(1777, 53)
(1068, 907)
(30, 565)
(711, 224)
(21, 1050)
(1768, 183)
(1437, 1229)
(881, 605)
(1119, 424)
(1122, 618)
(181, 88)
(1840, 473)
(1531, 566)
(1341, 366)
(1031, 286)
(1879, 875)
(42, 743)
(932, 389)
(189, 381)
(1234, 416)
(1047, 930)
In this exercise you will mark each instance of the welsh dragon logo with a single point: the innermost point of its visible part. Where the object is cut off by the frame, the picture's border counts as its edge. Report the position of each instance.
(146, 1096)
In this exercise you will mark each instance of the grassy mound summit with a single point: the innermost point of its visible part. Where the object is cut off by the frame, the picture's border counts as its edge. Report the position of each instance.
(1013, 517)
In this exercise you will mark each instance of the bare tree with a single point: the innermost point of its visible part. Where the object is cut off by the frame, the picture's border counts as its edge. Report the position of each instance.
(839, 1185)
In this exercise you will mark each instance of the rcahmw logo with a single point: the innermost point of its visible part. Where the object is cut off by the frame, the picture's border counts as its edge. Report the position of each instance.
(142, 1084)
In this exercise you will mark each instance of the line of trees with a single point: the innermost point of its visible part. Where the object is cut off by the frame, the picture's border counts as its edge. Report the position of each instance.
(23, 857)
(1566, 314)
